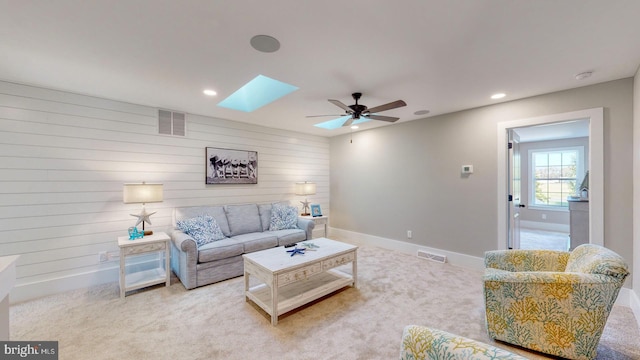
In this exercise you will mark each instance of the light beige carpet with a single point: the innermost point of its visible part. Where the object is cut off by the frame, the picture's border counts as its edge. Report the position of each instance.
(215, 322)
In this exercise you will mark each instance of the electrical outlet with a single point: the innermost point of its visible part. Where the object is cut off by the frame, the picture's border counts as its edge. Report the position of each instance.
(544, 216)
(102, 256)
(409, 234)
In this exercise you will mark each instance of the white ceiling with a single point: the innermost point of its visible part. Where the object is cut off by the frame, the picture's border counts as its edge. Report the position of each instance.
(438, 55)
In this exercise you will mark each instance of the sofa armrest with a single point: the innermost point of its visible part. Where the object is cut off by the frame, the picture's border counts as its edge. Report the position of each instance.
(526, 260)
(307, 225)
(184, 242)
(184, 258)
(421, 342)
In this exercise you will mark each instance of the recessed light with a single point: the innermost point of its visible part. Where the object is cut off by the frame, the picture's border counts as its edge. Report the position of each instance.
(354, 127)
(498, 96)
(210, 92)
(265, 43)
(584, 75)
(421, 112)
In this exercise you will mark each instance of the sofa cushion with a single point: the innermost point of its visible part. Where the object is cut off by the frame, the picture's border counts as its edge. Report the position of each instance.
(243, 219)
(256, 241)
(202, 228)
(265, 213)
(283, 217)
(218, 250)
(289, 236)
(217, 212)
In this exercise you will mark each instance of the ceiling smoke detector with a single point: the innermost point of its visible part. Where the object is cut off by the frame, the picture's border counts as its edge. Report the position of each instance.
(584, 75)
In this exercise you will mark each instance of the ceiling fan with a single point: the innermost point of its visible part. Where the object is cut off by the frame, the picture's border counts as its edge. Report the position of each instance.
(357, 110)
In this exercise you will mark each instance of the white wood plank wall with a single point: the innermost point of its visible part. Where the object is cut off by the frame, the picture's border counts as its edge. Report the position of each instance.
(64, 158)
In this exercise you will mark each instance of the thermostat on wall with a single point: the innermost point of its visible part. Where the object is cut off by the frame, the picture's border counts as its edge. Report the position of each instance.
(467, 169)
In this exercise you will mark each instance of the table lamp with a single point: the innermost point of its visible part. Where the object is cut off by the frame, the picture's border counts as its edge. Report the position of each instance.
(142, 193)
(304, 189)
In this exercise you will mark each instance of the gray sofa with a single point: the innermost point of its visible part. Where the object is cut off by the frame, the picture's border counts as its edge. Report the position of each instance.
(246, 228)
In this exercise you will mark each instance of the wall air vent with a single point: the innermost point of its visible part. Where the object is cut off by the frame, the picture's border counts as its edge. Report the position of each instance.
(433, 257)
(172, 123)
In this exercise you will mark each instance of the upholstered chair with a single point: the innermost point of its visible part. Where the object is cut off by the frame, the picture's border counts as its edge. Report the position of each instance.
(422, 343)
(553, 302)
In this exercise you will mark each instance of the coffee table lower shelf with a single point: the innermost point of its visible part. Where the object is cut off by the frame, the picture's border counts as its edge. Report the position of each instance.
(298, 293)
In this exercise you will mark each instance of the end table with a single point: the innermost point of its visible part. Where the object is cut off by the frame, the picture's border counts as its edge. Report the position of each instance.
(157, 243)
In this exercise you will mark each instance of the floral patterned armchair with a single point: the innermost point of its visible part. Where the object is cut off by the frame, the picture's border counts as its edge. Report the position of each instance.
(421, 343)
(553, 302)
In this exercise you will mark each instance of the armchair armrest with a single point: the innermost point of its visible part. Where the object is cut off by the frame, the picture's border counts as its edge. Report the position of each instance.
(546, 277)
(526, 260)
(423, 343)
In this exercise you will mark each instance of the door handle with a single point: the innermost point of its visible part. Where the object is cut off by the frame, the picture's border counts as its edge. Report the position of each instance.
(521, 205)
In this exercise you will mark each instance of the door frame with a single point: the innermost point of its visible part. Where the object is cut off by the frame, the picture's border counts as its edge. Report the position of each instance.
(596, 169)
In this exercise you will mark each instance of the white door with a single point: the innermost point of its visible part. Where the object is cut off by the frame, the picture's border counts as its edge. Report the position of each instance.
(514, 172)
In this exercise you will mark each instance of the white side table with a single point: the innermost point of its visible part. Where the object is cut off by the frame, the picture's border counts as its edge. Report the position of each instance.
(320, 230)
(157, 243)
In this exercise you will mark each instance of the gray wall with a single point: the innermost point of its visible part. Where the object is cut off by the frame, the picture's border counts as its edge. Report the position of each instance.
(407, 176)
(535, 214)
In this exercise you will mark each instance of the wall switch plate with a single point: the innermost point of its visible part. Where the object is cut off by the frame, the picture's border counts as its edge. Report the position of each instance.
(409, 234)
(467, 169)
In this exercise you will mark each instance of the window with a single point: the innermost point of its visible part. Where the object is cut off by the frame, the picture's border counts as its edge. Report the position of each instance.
(554, 174)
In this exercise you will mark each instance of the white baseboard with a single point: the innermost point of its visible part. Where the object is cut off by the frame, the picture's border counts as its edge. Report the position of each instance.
(539, 225)
(634, 304)
(453, 258)
(34, 290)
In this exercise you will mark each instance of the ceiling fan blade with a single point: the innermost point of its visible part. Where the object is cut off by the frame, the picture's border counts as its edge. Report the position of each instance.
(383, 118)
(389, 106)
(348, 122)
(333, 115)
(339, 104)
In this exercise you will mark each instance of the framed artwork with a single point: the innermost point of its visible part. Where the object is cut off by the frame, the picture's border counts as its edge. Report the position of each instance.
(226, 166)
(315, 210)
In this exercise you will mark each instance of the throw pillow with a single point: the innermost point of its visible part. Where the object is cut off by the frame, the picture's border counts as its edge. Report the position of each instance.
(283, 217)
(203, 229)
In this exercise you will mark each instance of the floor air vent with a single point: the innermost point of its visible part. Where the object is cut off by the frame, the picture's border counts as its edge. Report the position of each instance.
(171, 123)
(431, 256)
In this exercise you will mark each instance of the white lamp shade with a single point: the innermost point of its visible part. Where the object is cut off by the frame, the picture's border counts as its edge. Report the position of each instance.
(305, 188)
(141, 193)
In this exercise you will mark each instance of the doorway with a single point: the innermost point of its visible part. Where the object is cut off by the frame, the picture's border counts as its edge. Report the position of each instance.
(506, 224)
(548, 163)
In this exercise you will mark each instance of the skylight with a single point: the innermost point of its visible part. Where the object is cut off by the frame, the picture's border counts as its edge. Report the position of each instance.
(337, 123)
(257, 93)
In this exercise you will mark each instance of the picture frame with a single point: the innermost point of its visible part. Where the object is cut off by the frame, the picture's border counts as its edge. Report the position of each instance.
(315, 210)
(228, 166)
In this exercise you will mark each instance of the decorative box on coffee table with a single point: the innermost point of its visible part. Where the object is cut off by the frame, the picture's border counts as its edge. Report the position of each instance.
(288, 282)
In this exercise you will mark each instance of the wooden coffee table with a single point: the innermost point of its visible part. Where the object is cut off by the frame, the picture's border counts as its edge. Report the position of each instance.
(289, 282)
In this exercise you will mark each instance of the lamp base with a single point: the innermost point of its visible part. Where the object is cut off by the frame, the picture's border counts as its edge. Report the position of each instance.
(305, 214)
(148, 232)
